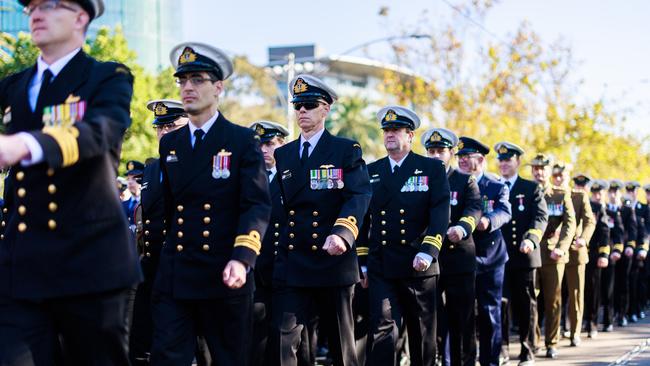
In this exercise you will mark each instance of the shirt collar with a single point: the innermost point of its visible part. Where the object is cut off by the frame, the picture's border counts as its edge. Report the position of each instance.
(512, 180)
(393, 163)
(312, 140)
(206, 126)
(273, 171)
(56, 66)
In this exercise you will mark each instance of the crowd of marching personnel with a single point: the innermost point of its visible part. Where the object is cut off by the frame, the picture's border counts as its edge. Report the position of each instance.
(238, 247)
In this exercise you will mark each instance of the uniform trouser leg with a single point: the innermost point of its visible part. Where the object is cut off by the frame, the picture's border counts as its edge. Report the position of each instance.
(92, 330)
(225, 324)
(458, 311)
(592, 294)
(575, 280)
(414, 300)
(607, 293)
(296, 307)
(360, 304)
(622, 286)
(261, 325)
(142, 325)
(551, 276)
(523, 302)
(633, 308)
(489, 289)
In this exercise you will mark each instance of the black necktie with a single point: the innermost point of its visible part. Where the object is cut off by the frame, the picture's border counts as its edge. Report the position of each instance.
(396, 169)
(508, 184)
(268, 174)
(45, 83)
(305, 153)
(198, 137)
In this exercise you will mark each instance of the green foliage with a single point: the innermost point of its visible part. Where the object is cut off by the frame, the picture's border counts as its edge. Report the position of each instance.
(350, 117)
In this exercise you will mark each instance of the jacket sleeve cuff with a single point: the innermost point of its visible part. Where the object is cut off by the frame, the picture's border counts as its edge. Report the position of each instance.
(247, 248)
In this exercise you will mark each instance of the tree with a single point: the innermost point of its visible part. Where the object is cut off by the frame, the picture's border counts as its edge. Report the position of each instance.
(351, 118)
(519, 89)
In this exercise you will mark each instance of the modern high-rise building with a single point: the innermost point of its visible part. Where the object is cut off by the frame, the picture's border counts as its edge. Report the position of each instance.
(151, 27)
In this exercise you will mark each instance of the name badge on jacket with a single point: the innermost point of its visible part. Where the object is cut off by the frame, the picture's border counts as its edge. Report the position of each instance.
(172, 158)
(326, 178)
(416, 184)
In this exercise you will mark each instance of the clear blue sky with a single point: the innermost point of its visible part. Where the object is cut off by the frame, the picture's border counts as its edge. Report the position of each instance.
(611, 39)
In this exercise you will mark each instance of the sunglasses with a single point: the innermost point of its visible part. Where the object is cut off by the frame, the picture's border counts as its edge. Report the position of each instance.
(308, 105)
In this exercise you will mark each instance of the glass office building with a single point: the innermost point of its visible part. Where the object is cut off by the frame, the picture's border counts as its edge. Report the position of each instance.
(151, 27)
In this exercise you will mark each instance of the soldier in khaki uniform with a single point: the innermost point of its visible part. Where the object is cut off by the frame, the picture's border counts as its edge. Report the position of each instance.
(555, 246)
(578, 253)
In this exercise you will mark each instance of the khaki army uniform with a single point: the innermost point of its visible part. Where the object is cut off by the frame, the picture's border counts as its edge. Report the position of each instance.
(578, 258)
(559, 234)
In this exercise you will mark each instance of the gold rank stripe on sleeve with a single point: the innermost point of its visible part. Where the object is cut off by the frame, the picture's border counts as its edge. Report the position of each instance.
(362, 251)
(66, 138)
(618, 247)
(604, 250)
(349, 223)
(631, 243)
(644, 246)
(250, 241)
(470, 221)
(436, 241)
(536, 232)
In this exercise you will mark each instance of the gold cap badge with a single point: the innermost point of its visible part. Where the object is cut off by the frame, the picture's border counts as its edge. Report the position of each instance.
(503, 150)
(435, 137)
(390, 116)
(160, 110)
(300, 86)
(188, 55)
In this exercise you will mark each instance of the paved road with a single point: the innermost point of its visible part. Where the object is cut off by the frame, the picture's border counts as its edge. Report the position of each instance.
(625, 346)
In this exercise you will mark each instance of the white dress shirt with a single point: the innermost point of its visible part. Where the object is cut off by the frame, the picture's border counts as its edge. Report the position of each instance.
(205, 128)
(312, 142)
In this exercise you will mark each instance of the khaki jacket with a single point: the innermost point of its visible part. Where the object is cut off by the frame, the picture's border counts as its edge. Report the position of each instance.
(585, 226)
(561, 224)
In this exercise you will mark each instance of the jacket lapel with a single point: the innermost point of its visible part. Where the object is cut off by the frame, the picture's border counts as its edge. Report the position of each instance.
(300, 174)
(152, 194)
(20, 109)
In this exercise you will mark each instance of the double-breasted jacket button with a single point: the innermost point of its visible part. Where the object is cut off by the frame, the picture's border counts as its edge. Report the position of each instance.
(206, 206)
(179, 234)
(51, 189)
(206, 220)
(180, 208)
(314, 248)
(206, 247)
(179, 248)
(290, 247)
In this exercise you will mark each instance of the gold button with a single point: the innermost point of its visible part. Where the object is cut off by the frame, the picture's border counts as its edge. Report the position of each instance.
(292, 212)
(276, 243)
(276, 225)
(514, 236)
(451, 246)
(2, 236)
(206, 247)
(383, 232)
(20, 176)
(50, 172)
(383, 222)
(276, 234)
(22, 227)
(292, 224)
(290, 246)
(180, 234)
(314, 235)
(402, 231)
(5, 210)
(383, 242)
(179, 248)
(383, 213)
(402, 221)
(314, 248)
(315, 213)
(147, 254)
(51, 188)
(401, 211)
(292, 236)
(22, 210)
(52, 206)
(206, 233)
(206, 206)
(514, 228)
(514, 222)
(51, 224)
(148, 222)
(275, 252)
(146, 232)
(206, 220)
(403, 241)
(21, 192)
(179, 208)
(180, 221)
(314, 224)
(164, 232)
(146, 243)
(3, 224)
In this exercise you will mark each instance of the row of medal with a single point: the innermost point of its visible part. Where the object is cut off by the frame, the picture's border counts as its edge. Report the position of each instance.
(326, 179)
(64, 114)
(416, 184)
(221, 165)
(555, 209)
(488, 205)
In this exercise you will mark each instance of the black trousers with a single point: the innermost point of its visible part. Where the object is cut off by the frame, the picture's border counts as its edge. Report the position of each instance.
(455, 311)
(607, 293)
(361, 311)
(298, 306)
(261, 326)
(635, 287)
(519, 289)
(411, 301)
(622, 286)
(141, 334)
(592, 294)
(76, 330)
(226, 325)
